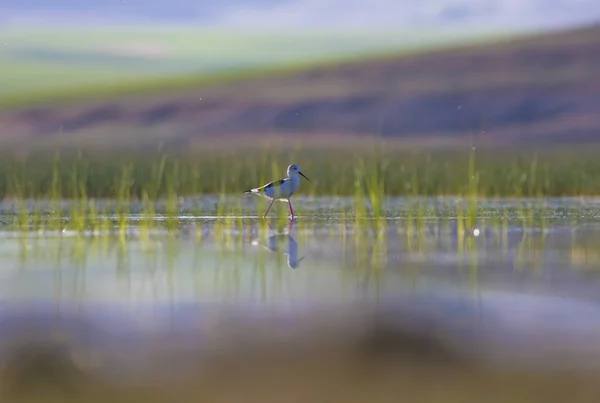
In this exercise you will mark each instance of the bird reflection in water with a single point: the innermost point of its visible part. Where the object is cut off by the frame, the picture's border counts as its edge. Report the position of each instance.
(277, 239)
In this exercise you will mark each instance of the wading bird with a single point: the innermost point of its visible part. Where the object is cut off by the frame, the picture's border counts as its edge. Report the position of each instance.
(282, 189)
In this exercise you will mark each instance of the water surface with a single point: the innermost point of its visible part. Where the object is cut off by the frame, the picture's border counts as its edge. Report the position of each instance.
(518, 285)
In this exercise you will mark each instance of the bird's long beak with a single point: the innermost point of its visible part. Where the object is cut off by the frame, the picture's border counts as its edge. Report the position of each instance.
(304, 176)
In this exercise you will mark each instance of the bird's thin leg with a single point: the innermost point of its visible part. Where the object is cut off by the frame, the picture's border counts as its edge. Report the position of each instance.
(269, 208)
(291, 209)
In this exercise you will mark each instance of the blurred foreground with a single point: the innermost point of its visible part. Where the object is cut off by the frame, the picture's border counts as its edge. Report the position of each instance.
(343, 356)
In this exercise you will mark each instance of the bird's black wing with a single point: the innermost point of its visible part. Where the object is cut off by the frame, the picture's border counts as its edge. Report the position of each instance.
(267, 186)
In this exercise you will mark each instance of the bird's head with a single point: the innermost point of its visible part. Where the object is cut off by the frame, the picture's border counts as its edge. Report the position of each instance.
(294, 170)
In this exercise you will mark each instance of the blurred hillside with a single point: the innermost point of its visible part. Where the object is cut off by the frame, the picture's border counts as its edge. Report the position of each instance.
(535, 90)
(42, 60)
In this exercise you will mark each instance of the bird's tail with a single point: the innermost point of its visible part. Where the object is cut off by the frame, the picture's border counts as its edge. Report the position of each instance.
(249, 191)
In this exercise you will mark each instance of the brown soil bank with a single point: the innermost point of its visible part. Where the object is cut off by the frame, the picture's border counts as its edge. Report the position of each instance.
(543, 89)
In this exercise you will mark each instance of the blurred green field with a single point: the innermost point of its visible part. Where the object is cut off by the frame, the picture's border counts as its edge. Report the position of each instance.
(54, 60)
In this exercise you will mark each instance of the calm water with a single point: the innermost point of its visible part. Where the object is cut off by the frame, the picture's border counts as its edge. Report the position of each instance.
(521, 285)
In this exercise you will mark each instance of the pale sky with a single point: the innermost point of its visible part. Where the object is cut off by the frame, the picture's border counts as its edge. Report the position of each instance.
(374, 13)
(302, 14)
